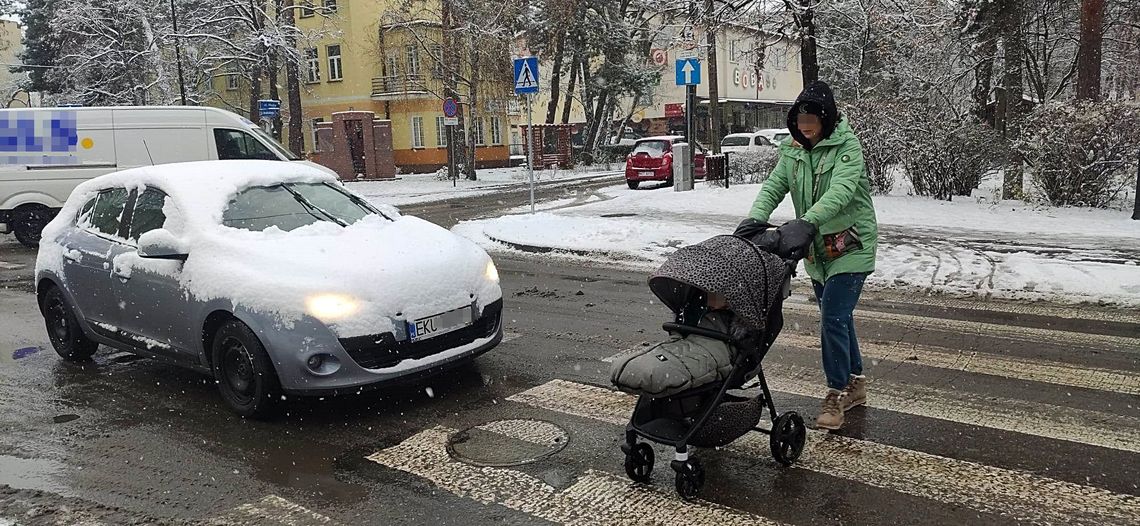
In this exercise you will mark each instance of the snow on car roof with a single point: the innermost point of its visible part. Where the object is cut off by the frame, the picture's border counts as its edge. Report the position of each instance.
(204, 187)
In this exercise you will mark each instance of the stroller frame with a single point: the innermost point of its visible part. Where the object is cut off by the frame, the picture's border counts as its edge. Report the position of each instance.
(651, 421)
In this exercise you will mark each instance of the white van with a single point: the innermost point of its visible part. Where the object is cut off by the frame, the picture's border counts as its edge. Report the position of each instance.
(46, 152)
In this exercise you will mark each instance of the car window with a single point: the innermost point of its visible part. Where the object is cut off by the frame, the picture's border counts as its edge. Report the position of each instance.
(652, 148)
(762, 141)
(83, 220)
(780, 137)
(735, 140)
(107, 215)
(236, 144)
(148, 214)
(291, 206)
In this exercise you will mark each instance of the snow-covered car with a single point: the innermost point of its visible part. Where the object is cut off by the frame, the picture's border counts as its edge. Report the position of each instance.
(776, 136)
(745, 142)
(270, 276)
(652, 160)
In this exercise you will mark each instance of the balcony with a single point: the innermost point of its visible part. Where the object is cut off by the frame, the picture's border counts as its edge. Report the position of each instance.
(399, 86)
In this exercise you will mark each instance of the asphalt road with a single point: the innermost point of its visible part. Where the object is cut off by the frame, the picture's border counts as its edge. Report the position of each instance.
(979, 413)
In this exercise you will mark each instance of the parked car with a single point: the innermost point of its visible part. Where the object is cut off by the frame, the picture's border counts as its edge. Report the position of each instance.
(745, 142)
(52, 150)
(776, 136)
(652, 160)
(272, 277)
(628, 137)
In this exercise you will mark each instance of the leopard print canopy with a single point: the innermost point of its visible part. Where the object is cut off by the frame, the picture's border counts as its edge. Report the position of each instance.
(749, 278)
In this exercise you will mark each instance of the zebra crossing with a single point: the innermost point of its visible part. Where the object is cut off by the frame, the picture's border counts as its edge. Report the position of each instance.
(996, 491)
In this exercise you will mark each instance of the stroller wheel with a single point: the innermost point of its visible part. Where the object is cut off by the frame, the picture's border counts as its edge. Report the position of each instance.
(639, 462)
(690, 478)
(788, 436)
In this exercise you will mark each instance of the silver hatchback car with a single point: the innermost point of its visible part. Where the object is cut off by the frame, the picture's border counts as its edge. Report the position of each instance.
(271, 276)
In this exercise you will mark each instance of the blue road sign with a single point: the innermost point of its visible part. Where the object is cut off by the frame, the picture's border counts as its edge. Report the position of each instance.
(688, 72)
(526, 75)
(450, 108)
(268, 107)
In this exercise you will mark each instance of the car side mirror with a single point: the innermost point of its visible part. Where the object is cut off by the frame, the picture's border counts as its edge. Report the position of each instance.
(161, 244)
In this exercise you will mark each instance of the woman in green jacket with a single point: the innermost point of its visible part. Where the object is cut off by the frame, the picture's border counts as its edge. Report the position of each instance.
(835, 229)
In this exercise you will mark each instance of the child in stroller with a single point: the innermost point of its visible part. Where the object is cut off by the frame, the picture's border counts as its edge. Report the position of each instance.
(726, 295)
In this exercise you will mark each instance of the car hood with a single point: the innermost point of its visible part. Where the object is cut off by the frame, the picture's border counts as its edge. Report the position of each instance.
(391, 270)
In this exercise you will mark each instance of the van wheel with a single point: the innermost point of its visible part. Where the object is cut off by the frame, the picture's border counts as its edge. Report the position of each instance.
(63, 328)
(245, 375)
(29, 221)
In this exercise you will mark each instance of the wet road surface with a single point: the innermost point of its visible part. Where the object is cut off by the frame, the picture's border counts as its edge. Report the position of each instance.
(978, 413)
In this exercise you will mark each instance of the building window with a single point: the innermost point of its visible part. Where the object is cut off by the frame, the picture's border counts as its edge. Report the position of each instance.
(307, 8)
(417, 132)
(477, 130)
(232, 81)
(313, 73)
(782, 61)
(330, 6)
(496, 131)
(413, 60)
(733, 51)
(437, 61)
(440, 132)
(335, 70)
(393, 65)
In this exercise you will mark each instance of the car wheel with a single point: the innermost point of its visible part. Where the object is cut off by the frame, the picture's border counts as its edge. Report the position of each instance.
(633, 184)
(63, 328)
(245, 375)
(28, 222)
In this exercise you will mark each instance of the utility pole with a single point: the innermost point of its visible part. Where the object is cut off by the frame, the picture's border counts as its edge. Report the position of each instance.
(691, 101)
(1136, 207)
(178, 52)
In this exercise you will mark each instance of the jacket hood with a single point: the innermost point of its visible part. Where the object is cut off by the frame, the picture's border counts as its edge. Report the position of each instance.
(820, 100)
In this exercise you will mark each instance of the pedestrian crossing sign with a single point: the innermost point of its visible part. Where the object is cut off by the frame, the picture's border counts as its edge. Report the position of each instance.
(526, 75)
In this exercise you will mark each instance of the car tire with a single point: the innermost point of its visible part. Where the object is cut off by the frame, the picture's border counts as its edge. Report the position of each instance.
(63, 328)
(28, 223)
(632, 184)
(244, 373)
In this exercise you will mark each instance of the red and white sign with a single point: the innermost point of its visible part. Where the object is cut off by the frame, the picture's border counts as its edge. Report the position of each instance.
(660, 57)
(675, 110)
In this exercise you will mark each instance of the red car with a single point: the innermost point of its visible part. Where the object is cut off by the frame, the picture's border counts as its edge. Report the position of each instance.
(652, 160)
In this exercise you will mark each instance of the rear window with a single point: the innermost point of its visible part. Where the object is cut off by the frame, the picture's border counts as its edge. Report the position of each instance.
(735, 140)
(652, 148)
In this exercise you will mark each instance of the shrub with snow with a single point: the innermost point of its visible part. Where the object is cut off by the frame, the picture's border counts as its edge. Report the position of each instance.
(876, 125)
(752, 167)
(1081, 153)
(947, 157)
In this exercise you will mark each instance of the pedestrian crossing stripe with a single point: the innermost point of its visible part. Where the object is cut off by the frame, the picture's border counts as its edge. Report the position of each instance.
(988, 489)
(271, 510)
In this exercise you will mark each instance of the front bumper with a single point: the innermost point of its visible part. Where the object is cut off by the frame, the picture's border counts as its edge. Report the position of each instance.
(640, 174)
(371, 361)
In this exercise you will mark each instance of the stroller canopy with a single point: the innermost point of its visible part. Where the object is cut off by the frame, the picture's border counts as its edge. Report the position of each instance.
(749, 278)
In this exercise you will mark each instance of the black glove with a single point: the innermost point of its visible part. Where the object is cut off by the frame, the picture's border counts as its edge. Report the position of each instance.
(769, 241)
(750, 228)
(795, 237)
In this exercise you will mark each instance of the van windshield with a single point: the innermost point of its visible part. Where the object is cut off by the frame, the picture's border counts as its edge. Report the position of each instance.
(273, 144)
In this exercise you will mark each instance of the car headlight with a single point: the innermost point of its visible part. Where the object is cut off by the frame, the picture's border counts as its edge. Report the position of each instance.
(330, 307)
(492, 273)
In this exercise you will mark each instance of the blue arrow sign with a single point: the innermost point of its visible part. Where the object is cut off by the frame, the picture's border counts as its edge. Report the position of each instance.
(526, 75)
(688, 72)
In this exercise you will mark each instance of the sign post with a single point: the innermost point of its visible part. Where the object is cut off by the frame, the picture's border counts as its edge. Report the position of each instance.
(450, 110)
(1136, 207)
(526, 83)
(688, 74)
(268, 109)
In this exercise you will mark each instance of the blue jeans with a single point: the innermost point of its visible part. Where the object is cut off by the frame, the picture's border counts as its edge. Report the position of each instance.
(837, 299)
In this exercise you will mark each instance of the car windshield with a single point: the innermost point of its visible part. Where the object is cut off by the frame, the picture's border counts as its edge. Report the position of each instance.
(779, 137)
(735, 140)
(272, 143)
(652, 148)
(289, 206)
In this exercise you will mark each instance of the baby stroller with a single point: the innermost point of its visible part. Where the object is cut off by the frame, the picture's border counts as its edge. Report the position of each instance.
(690, 405)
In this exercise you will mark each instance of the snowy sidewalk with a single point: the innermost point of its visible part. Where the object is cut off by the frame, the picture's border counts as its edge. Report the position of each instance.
(425, 188)
(967, 247)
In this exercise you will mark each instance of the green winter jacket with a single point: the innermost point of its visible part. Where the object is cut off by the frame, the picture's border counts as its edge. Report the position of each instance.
(842, 202)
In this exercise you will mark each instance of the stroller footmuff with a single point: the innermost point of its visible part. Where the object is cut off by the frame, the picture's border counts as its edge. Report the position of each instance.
(727, 296)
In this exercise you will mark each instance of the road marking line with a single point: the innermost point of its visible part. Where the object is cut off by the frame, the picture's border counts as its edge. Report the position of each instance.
(1019, 416)
(510, 336)
(10, 266)
(639, 347)
(595, 498)
(991, 330)
(1017, 494)
(533, 431)
(1045, 371)
(272, 510)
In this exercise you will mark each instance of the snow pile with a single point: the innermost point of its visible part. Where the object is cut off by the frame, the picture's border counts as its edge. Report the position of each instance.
(965, 247)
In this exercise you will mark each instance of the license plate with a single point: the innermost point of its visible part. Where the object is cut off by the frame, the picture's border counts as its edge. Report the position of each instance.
(646, 174)
(439, 324)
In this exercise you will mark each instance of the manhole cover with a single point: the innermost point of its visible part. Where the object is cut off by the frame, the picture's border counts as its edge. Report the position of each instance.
(622, 214)
(502, 443)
